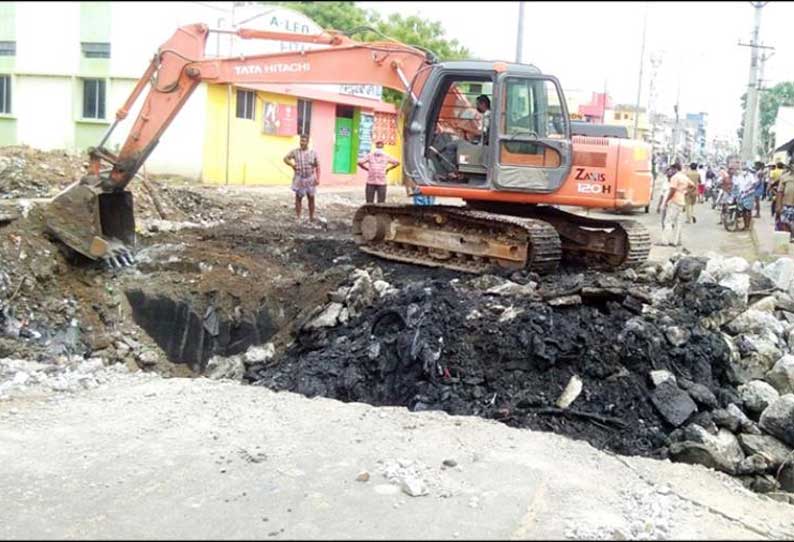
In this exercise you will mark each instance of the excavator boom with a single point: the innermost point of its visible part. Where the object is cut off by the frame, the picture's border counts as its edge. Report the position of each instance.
(95, 215)
(507, 173)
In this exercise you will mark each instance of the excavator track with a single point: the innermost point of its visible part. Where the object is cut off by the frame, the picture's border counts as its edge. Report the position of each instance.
(456, 238)
(594, 242)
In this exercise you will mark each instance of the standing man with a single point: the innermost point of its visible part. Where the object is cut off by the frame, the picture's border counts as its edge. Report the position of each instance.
(675, 204)
(304, 163)
(377, 164)
(692, 193)
(784, 202)
(744, 190)
(726, 186)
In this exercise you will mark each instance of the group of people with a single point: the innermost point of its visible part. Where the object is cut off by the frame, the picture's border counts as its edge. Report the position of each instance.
(306, 176)
(748, 185)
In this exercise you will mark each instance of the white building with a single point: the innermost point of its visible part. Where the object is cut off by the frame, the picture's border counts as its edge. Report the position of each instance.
(66, 67)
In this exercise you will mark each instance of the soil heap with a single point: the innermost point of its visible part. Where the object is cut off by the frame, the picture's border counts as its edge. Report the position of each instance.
(639, 364)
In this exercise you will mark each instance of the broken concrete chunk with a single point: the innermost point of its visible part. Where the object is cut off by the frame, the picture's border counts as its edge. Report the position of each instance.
(327, 318)
(413, 486)
(770, 447)
(721, 452)
(570, 393)
(148, 358)
(758, 355)
(755, 321)
(674, 404)
(657, 377)
(781, 375)
(260, 354)
(781, 272)
(765, 304)
(565, 301)
(778, 419)
(753, 464)
(677, 336)
(219, 367)
(512, 288)
(339, 295)
(739, 283)
(757, 395)
(361, 294)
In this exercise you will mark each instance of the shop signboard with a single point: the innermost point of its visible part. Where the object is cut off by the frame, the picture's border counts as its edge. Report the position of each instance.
(365, 125)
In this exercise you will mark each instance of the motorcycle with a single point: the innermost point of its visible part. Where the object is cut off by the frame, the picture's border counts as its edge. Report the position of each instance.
(732, 212)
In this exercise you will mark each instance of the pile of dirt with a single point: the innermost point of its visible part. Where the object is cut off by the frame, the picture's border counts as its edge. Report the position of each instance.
(32, 173)
(628, 363)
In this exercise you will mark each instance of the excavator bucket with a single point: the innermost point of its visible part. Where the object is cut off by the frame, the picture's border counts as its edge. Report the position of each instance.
(98, 224)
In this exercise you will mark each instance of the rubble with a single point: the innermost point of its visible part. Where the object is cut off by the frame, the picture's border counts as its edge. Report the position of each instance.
(778, 419)
(757, 395)
(781, 375)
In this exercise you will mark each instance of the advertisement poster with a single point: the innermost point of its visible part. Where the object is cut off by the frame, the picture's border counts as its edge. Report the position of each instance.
(365, 135)
(385, 128)
(270, 118)
(287, 123)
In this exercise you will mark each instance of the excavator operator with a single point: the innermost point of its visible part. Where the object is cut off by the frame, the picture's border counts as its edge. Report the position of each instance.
(484, 109)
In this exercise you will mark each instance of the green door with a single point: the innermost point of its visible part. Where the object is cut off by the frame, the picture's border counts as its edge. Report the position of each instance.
(343, 145)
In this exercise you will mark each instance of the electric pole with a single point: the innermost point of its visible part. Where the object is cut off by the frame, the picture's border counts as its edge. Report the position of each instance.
(520, 38)
(751, 105)
(656, 60)
(639, 82)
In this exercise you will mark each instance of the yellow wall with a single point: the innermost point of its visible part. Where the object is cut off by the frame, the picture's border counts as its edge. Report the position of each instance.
(254, 157)
(395, 176)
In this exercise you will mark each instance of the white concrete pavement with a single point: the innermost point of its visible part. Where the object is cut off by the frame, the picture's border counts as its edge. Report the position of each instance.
(145, 458)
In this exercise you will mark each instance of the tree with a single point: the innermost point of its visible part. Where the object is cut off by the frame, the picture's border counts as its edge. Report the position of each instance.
(411, 30)
(772, 99)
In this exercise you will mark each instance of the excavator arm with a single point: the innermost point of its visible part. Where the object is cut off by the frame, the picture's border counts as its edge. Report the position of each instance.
(95, 216)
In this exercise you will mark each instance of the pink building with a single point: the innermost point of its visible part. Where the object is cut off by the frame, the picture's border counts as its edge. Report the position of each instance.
(594, 111)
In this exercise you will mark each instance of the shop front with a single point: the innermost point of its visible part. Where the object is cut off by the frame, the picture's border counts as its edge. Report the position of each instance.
(250, 128)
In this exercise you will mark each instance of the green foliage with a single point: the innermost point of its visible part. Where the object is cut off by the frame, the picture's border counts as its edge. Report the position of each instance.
(411, 30)
(772, 99)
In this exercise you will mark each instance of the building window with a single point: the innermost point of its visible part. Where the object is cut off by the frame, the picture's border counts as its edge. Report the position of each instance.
(95, 49)
(245, 104)
(93, 98)
(5, 94)
(617, 116)
(304, 117)
(8, 48)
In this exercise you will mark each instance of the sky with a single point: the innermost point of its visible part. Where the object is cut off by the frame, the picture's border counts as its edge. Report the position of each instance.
(588, 45)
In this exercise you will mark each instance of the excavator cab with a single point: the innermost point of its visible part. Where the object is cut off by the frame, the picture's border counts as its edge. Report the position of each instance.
(521, 143)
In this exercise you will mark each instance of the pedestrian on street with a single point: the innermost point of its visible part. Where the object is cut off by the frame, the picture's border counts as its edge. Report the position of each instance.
(744, 191)
(784, 203)
(692, 193)
(726, 186)
(306, 178)
(774, 179)
(377, 164)
(675, 206)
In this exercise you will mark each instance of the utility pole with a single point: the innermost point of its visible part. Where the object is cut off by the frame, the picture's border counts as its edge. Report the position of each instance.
(751, 105)
(656, 60)
(639, 82)
(520, 38)
(759, 145)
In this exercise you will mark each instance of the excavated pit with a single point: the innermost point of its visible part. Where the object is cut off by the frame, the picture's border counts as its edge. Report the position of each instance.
(191, 335)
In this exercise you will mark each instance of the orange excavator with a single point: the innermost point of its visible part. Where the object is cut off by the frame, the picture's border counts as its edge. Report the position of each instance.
(512, 163)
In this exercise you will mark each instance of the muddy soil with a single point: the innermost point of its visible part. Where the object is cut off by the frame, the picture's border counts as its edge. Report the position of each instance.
(218, 270)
